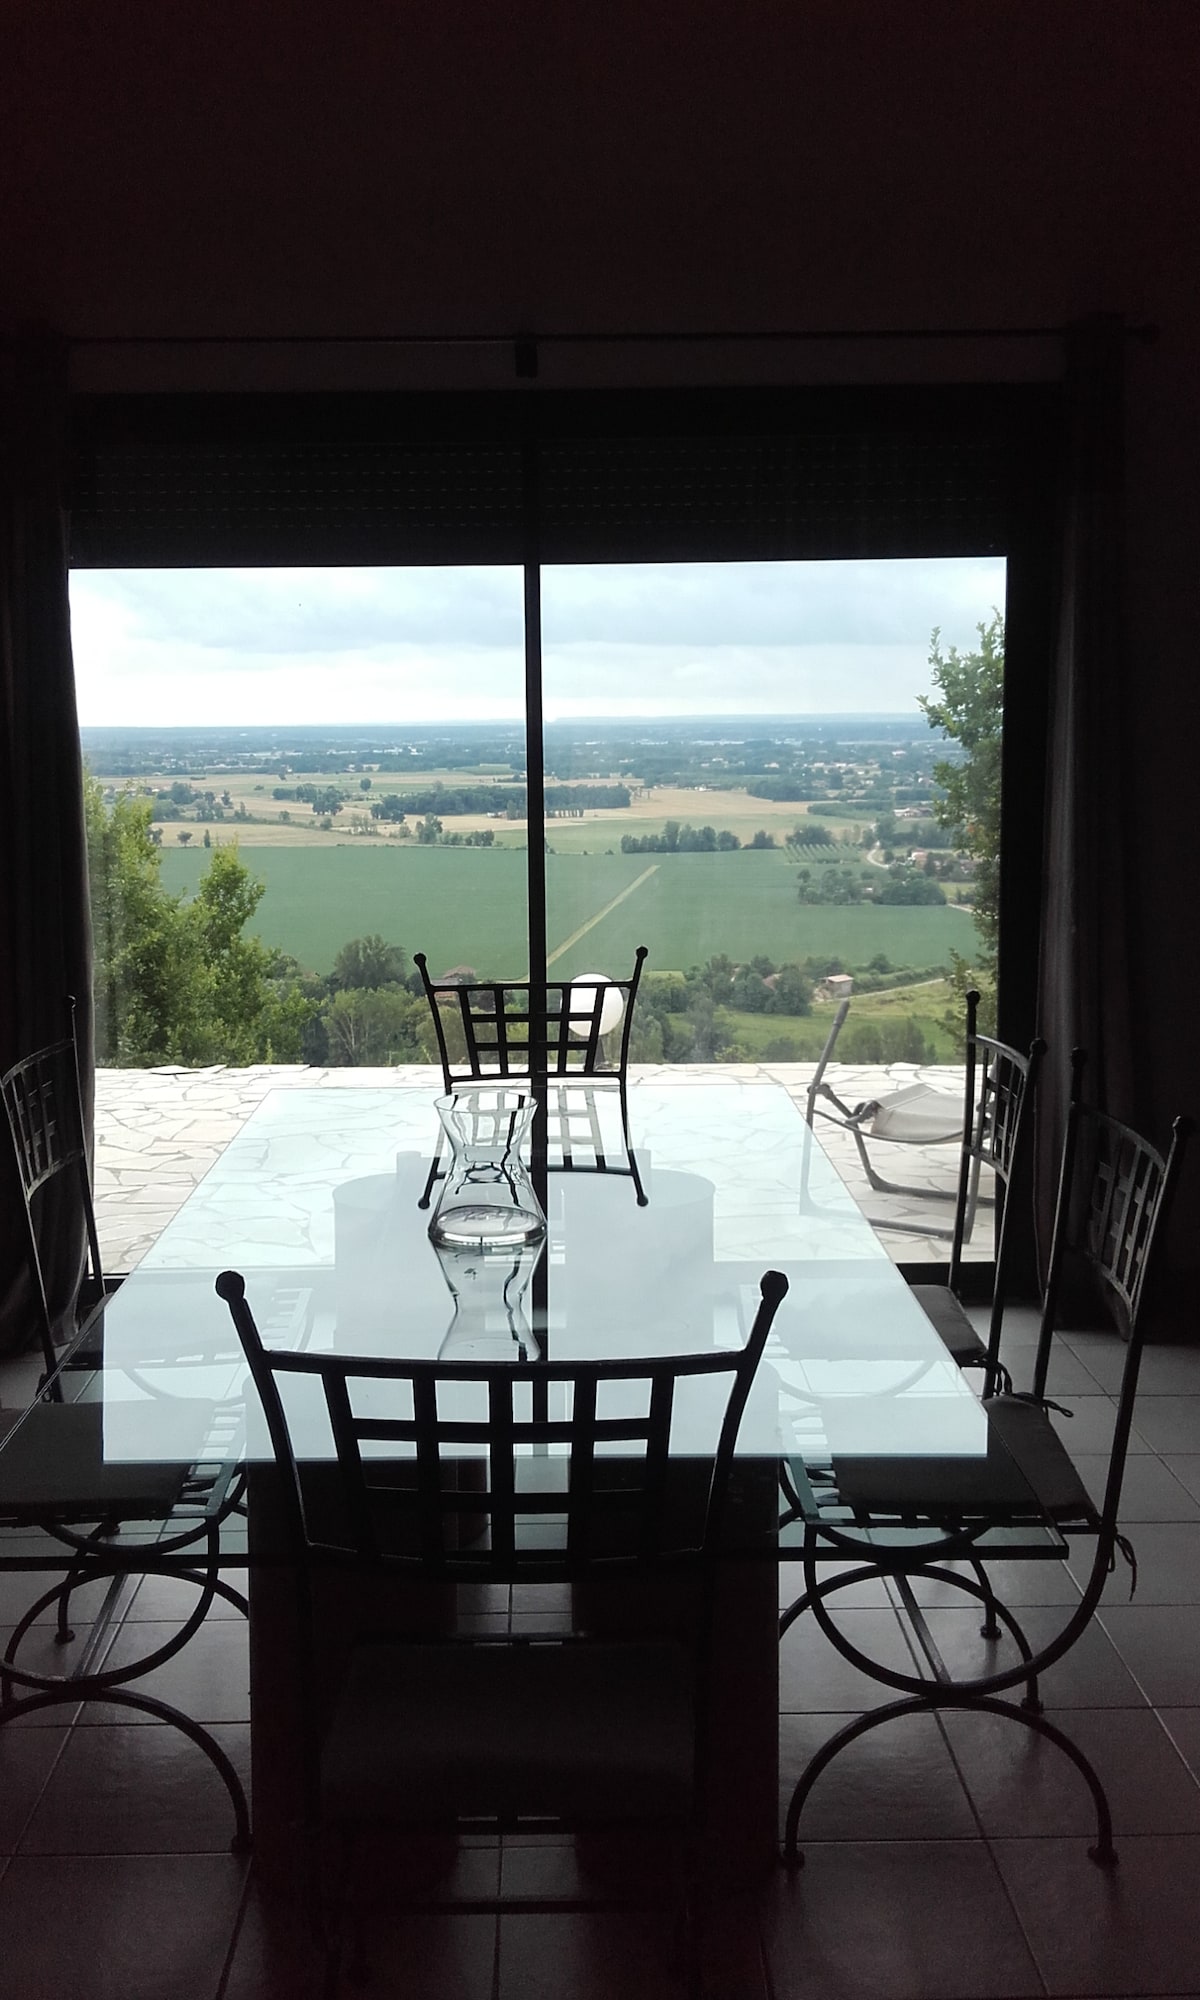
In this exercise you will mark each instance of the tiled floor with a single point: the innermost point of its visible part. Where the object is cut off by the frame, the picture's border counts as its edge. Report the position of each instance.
(944, 1856)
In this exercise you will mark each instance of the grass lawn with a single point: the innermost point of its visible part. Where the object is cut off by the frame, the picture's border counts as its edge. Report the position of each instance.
(925, 1004)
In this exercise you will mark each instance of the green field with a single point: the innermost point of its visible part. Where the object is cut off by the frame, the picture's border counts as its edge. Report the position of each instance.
(926, 1004)
(466, 906)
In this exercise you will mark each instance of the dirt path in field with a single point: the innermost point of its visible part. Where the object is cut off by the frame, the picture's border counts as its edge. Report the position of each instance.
(601, 914)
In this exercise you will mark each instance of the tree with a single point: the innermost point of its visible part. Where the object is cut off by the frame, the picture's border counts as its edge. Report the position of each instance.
(375, 1026)
(184, 838)
(909, 885)
(176, 981)
(368, 962)
(792, 992)
(968, 707)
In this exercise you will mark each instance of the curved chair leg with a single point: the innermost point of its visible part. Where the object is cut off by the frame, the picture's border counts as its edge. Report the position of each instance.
(1103, 1853)
(994, 1609)
(989, 1629)
(64, 1631)
(915, 1684)
(161, 1711)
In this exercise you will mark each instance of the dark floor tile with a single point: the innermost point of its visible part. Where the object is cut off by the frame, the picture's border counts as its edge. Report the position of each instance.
(1150, 1490)
(27, 1759)
(1160, 1645)
(1168, 1565)
(1183, 1727)
(1068, 1374)
(141, 1927)
(41, 1654)
(1164, 1371)
(1091, 1675)
(813, 1676)
(276, 1955)
(1102, 1354)
(1185, 1467)
(593, 1955)
(1169, 1423)
(1022, 1784)
(1130, 1929)
(1015, 1583)
(209, 1679)
(138, 1791)
(1087, 1425)
(612, 1866)
(19, 1588)
(908, 1920)
(420, 1956)
(169, 1598)
(868, 1595)
(897, 1782)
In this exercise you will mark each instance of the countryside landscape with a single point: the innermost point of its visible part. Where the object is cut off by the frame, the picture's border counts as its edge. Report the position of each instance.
(756, 859)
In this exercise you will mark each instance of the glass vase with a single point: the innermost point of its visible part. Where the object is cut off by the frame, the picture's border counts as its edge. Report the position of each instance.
(487, 1199)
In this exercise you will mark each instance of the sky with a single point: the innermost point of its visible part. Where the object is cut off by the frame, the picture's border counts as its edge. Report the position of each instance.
(260, 647)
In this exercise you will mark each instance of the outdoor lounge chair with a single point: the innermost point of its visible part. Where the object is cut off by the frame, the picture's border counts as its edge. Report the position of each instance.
(915, 1115)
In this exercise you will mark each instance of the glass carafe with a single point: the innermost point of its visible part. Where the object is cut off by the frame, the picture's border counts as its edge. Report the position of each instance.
(487, 1200)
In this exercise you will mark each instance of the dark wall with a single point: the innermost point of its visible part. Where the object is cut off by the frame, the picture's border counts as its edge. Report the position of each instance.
(829, 164)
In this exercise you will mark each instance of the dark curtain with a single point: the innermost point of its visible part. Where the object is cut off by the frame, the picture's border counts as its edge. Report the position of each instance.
(45, 931)
(1084, 985)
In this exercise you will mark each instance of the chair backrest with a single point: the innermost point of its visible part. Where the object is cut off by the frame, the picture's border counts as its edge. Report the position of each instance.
(999, 1090)
(499, 1021)
(44, 1105)
(573, 1459)
(1114, 1194)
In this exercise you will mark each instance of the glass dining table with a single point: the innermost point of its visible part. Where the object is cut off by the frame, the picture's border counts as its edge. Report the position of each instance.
(317, 1202)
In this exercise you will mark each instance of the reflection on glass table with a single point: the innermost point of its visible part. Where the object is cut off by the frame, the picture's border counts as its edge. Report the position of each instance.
(316, 1203)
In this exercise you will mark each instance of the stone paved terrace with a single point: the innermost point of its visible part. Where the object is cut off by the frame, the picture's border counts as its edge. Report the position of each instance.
(159, 1131)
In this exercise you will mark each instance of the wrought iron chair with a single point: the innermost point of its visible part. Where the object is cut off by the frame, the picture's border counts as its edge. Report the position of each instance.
(495, 1021)
(104, 1521)
(1024, 1500)
(916, 1115)
(44, 1107)
(577, 1483)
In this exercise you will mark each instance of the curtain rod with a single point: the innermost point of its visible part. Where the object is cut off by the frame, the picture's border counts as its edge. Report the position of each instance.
(524, 337)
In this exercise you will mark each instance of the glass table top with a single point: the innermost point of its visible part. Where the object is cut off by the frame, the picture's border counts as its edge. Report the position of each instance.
(316, 1203)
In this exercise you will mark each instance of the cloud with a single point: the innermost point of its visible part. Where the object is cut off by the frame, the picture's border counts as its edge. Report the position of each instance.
(256, 647)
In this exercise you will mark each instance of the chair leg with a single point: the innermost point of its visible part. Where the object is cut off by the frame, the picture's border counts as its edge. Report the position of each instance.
(68, 1691)
(989, 1629)
(1103, 1853)
(630, 1155)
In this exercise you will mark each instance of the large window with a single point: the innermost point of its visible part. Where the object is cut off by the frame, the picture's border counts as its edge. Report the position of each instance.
(572, 674)
(300, 778)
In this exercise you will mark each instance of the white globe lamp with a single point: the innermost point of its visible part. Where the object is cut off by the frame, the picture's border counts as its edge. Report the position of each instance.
(612, 1006)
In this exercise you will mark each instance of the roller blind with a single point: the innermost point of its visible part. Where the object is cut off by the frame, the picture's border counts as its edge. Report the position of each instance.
(672, 476)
